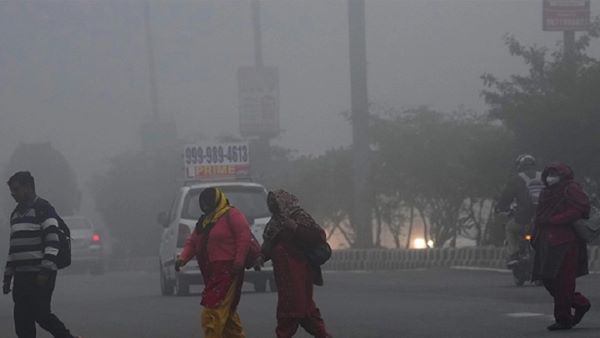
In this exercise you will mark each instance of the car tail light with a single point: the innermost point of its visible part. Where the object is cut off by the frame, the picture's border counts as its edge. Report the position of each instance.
(182, 234)
(96, 239)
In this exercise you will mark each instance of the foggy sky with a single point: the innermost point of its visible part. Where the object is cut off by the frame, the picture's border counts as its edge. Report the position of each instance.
(75, 72)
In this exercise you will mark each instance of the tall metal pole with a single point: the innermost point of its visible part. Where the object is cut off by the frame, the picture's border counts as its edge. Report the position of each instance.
(257, 34)
(362, 199)
(569, 50)
(151, 66)
(260, 147)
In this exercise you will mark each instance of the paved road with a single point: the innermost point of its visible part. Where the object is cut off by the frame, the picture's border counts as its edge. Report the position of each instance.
(415, 303)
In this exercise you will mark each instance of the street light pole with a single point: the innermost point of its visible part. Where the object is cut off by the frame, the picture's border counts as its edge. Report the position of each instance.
(361, 211)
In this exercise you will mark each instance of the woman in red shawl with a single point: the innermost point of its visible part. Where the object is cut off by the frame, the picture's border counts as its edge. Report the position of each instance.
(220, 244)
(289, 232)
(560, 256)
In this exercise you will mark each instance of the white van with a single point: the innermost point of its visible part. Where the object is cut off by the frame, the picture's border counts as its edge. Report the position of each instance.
(180, 220)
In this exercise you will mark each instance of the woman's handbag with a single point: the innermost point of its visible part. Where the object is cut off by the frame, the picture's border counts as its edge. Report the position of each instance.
(318, 255)
(588, 229)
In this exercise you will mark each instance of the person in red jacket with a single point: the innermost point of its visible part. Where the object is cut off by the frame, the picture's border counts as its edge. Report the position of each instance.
(220, 243)
(290, 231)
(560, 256)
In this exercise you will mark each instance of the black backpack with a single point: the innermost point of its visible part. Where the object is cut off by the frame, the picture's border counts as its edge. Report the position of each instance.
(63, 259)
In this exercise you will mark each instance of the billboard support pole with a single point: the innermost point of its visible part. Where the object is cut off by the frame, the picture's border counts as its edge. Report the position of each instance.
(569, 50)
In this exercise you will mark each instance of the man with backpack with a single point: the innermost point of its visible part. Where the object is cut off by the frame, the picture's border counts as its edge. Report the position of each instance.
(37, 250)
(520, 197)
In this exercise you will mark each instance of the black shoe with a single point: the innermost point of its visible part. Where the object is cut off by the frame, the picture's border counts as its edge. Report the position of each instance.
(559, 326)
(580, 312)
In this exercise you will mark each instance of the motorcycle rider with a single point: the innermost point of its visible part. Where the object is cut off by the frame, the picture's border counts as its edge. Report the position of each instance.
(522, 190)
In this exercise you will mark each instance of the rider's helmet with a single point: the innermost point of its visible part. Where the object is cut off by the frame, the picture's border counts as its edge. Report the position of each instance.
(524, 161)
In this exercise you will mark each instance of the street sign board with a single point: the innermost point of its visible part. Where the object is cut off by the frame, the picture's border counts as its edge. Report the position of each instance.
(566, 15)
(258, 101)
(210, 162)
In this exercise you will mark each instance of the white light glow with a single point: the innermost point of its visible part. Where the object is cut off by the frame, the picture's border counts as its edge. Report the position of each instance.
(419, 243)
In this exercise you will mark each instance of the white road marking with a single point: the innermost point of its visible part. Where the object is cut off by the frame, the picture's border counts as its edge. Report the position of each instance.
(536, 315)
(363, 272)
(459, 267)
(346, 271)
(524, 314)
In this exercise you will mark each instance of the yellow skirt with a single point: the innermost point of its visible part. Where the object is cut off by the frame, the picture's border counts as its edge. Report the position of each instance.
(222, 322)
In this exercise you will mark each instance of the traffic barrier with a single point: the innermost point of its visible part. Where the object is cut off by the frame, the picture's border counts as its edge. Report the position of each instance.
(471, 256)
(412, 259)
(386, 259)
(464, 253)
(430, 258)
(450, 257)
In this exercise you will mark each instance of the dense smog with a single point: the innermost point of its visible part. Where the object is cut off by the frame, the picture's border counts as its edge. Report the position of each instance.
(281, 168)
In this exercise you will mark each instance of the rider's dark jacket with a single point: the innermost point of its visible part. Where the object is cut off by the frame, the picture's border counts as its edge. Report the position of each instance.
(516, 191)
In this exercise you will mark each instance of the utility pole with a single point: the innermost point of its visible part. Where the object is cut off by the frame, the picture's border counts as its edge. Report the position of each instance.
(151, 66)
(261, 145)
(154, 132)
(258, 59)
(362, 196)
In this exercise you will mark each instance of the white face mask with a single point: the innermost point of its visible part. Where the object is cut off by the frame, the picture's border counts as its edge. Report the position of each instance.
(552, 180)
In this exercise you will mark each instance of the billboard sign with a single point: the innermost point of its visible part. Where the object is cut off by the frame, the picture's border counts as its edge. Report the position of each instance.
(211, 162)
(258, 101)
(566, 15)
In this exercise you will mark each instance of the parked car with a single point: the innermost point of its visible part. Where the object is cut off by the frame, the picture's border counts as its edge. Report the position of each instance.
(87, 245)
(181, 219)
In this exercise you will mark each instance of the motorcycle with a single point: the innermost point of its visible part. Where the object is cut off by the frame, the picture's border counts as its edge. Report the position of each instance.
(523, 265)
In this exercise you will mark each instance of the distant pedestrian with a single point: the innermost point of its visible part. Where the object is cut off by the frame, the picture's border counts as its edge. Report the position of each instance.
(560, 256)
(31, 263)
(220, 243)
(287, 235)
